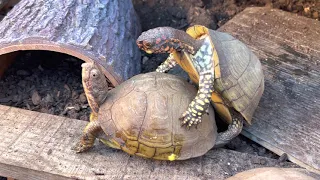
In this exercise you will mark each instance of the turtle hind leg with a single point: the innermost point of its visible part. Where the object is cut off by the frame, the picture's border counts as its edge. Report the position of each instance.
(234, 129)
(90, 132)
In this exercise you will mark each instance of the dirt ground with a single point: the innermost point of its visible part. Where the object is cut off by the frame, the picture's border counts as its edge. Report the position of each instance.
(51, 82)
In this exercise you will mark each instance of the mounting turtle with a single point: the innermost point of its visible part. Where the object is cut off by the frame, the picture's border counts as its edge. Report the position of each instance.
(139, 116)
(225, 69)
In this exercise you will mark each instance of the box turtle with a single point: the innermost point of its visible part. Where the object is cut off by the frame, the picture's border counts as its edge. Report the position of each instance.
(225, 69)
(139, 116)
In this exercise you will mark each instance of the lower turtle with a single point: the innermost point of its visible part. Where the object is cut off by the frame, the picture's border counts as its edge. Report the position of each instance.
(228, 73)
(139, 116)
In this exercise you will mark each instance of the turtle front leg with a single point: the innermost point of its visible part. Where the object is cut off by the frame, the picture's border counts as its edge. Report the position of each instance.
(168, 64)
(200, 103)
(93, 116)
(234, 129)
(90, 132)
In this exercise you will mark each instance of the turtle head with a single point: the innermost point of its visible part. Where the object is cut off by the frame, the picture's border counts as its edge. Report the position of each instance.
(163, 40)
(95, 84)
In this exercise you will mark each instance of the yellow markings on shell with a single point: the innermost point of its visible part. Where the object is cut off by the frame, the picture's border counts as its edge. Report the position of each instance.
(217, 72)
(172, 157)
(93, 116)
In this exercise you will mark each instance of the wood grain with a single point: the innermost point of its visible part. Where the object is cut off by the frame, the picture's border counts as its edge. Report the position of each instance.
(38, 146)
(288, 117)
(103, 31)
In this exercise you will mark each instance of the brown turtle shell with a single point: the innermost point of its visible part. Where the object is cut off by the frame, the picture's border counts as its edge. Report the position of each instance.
(142, 116)
(239, 79)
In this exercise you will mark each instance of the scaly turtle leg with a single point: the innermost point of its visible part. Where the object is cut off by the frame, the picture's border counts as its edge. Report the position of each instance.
(93, 116)
(234, 129)
(168, 64)
(200, 103)
(90, 132)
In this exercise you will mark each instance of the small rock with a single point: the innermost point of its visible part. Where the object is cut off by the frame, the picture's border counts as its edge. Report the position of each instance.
(261, 151)
(144, 59)
(83, 98)
(256, 161)
(36, 98)
(6, 99)
(73, 114)
(263, 161)
(23, 73)
(22, 83)
(16, 98)
(48, 99)
(315, 15)
(283, 157)
(77, 107)
(84, 118)
(44, 110)
(49, 151)
(74, 95)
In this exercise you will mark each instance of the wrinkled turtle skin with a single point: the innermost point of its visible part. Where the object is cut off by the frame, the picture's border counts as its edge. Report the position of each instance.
(140, 117)
(229, 75)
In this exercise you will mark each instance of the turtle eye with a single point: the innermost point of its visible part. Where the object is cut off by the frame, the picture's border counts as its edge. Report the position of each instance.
(94, 73)
(147, 44)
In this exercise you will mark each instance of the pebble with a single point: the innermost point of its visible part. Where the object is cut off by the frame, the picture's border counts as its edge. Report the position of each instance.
(261, 151)
(48, 99)
(36, 98)
(144, 59)
(22, 83)
(23, 73)
(315, 15)
(83, 98)
(263, 161)
(77, 107)
(283, 157)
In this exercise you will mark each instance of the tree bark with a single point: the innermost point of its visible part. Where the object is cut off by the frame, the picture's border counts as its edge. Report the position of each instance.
(91, 30)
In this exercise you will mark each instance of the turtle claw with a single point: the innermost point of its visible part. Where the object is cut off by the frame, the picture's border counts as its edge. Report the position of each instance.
(189, 120)
(80, 147)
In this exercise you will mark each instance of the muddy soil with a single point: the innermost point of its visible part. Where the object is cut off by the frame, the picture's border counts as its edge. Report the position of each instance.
(46, 82)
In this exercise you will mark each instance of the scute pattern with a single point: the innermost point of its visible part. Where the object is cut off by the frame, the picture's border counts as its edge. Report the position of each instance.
(144, 120)
(241, 80)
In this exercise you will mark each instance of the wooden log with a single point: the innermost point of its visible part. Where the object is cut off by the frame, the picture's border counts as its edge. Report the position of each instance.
(288, 117)
(36, 146)
(6, 60)
(102, 31)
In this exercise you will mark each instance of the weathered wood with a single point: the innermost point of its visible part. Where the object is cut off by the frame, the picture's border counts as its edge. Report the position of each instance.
(288, 117)
(35, 146)
(101, 31)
